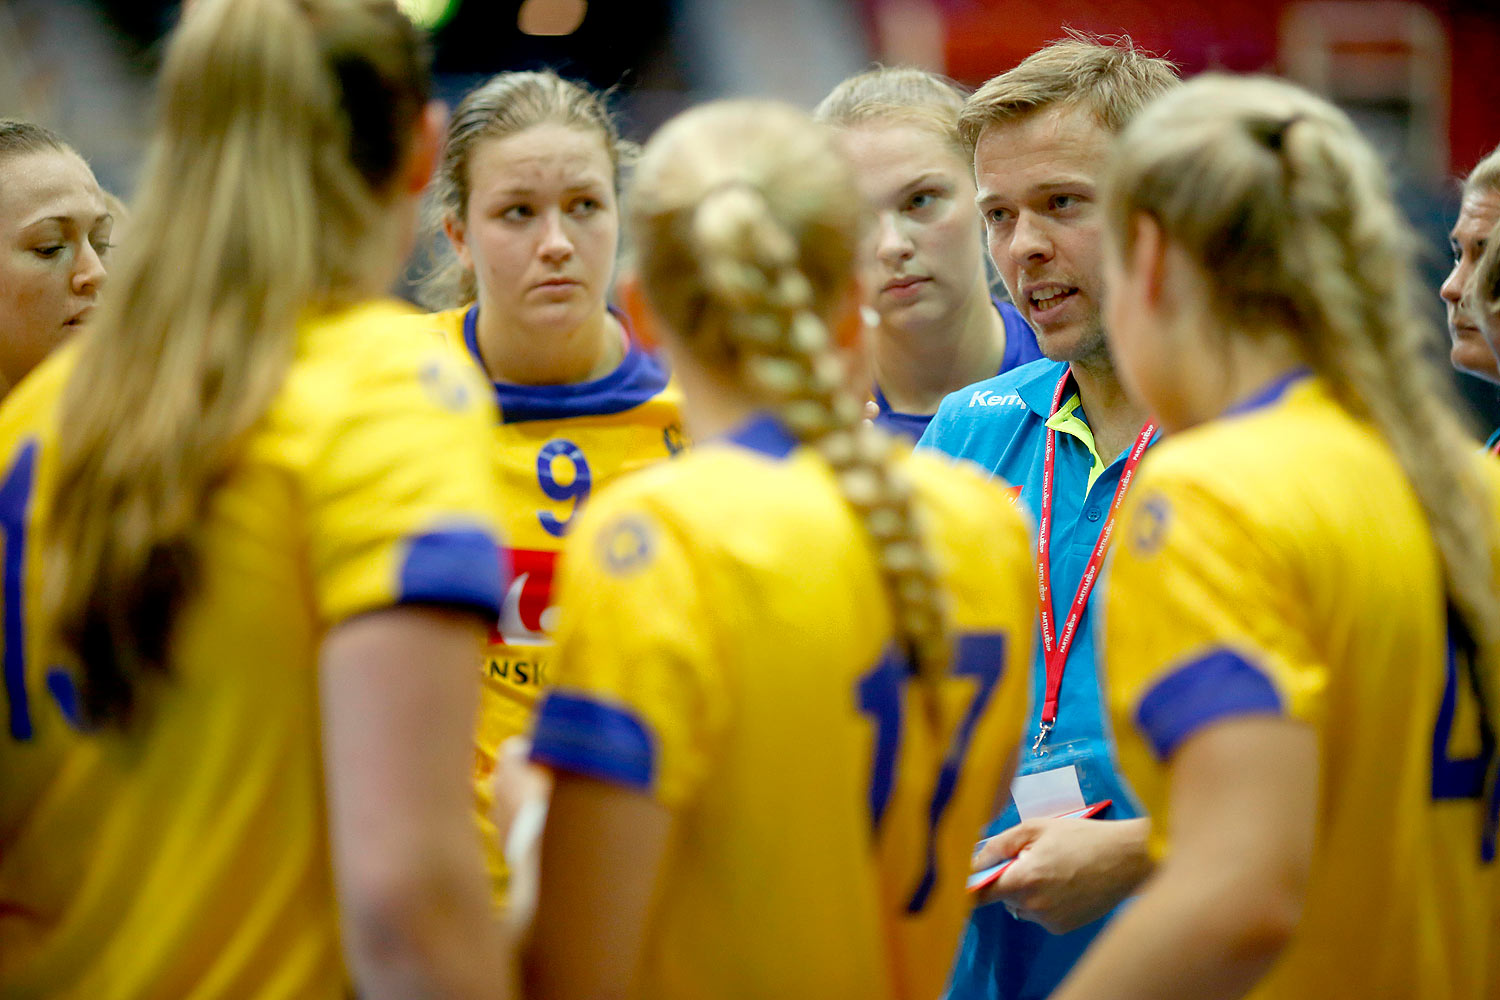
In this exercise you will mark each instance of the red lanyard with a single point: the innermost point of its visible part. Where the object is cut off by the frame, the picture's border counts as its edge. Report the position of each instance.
(1054, 646)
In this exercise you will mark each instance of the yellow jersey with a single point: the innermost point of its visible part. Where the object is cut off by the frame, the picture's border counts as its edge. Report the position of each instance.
(188, 856)
(1276, 561)
(553, 446)
(724, 646)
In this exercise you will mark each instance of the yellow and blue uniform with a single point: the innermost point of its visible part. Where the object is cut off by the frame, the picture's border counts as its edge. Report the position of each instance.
(189, 856)
(553, 446)
(1276, 561)
(724, 647)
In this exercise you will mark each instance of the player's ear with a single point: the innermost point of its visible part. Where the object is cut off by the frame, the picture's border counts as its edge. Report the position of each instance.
(1148, 262)
(847, 322)
(643, 319)
(426, 147)
(458, 236)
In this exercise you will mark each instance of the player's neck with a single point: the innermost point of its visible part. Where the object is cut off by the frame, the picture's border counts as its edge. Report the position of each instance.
(917, 368)
(1248, 364)
(714, 403)
(591, 351)
(1113, 416)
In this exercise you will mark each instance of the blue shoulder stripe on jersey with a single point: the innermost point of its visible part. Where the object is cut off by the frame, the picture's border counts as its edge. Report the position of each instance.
(463, 566)
(638, 377)
(1492, 440)
(1270, 392)
(1219, 685)
(574, 733)
(764, 434)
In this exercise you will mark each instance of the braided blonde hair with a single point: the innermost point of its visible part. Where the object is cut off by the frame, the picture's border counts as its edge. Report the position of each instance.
(1288, 210)
(747, 222)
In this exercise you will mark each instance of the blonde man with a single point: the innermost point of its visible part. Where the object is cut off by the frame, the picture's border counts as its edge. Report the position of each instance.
(1064, 432)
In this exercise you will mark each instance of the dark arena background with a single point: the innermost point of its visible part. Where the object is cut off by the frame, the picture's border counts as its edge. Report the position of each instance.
(1419, 75)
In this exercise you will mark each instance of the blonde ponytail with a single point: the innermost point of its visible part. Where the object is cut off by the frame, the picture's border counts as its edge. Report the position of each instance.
(281, 126)
(747, 222)
(1289, 211)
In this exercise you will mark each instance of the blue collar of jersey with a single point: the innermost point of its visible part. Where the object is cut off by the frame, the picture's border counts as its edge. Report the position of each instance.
(1269, 393)
(638, 377)
(765, 434)
(1017, 332)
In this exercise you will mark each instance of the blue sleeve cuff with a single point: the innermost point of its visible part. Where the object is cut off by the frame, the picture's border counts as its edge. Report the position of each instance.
(463, 566)
(576, 734)
(1220, 685)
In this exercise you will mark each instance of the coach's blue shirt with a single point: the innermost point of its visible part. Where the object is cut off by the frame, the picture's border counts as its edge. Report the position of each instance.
(1001, 424)
(1020, 349)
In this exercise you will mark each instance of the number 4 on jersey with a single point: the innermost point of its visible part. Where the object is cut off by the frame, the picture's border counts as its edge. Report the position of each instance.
(1465, 777)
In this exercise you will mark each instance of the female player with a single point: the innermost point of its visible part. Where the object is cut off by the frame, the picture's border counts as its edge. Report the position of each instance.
(54, 238)
(1483, 290)
(248, 548)
(783, 700)
(939, 328)
(527, 194)
(1303, 620)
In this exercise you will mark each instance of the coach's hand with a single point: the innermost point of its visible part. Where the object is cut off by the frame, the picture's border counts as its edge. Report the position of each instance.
(1067, 872)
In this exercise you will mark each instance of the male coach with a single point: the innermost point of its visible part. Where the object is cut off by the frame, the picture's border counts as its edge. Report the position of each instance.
(1065, 433)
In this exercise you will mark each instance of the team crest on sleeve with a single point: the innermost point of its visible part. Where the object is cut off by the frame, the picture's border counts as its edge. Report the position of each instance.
(1148, 528)
(444, 384)
(672, 437)
(626, 544)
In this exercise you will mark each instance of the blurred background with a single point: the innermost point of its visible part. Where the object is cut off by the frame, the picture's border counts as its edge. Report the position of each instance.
(1422, 77)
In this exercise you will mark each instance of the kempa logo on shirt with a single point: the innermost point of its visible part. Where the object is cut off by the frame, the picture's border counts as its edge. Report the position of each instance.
(987, 397)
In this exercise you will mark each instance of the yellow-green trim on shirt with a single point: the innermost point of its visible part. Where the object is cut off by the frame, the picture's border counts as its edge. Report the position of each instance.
(1067, 420)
